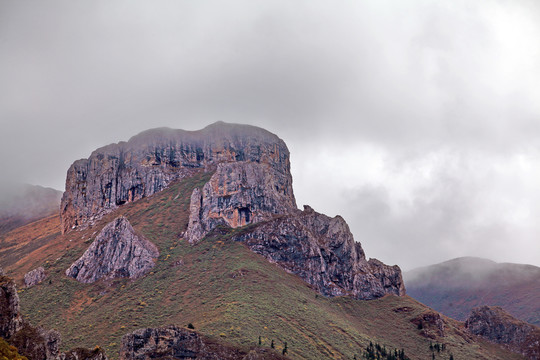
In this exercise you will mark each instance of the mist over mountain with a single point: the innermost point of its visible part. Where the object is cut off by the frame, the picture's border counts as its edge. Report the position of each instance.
(457, 286)
(21, 204)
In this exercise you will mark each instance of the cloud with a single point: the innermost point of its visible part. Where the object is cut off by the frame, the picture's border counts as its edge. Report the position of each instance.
(425, 113)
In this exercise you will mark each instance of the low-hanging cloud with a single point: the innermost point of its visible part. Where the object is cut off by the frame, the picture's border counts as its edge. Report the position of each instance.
(430, 109)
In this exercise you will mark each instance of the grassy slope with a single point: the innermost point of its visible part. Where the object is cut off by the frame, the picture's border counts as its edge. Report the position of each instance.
(221, 287)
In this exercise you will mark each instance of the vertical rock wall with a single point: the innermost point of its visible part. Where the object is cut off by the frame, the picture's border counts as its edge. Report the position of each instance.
(149, 162)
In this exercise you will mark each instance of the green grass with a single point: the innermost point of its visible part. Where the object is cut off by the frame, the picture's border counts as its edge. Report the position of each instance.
(226, 292)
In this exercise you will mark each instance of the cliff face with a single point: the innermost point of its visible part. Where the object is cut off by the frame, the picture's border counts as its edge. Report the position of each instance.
(149, 162)
(322, 251)
(10, 317)
(238, 194)
(117, 251)
(496, 325)
(177, 343)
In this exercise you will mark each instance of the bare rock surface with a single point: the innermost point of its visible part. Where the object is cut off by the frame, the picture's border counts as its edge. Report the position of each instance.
(177, 343)
(496, 325)
(239, 194)
(430, 324)
(116, 252)
(322, 251)
(10, 317)
(37, 343)
(84, 354)
(119, 173)
(34, 277)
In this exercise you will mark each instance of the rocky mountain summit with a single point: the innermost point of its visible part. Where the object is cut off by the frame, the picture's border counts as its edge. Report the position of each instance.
(496, 325)
(251, 183)
(116, 252)
(149, 162)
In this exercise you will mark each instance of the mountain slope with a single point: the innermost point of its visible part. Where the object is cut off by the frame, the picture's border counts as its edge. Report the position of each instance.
(457, 286)
(225, 290)
(23, 204)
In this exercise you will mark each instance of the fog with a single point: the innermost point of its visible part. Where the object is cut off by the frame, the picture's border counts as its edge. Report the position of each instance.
(417, 121)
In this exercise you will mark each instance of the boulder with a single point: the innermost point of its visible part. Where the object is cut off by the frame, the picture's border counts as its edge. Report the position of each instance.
(34, 277)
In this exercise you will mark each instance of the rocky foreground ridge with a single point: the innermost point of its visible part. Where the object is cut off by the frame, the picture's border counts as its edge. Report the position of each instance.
(31, 342)
(177, 343)
(496, 325)
(251, 184)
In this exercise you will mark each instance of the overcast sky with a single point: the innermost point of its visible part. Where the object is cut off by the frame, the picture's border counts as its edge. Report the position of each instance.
(417, 121)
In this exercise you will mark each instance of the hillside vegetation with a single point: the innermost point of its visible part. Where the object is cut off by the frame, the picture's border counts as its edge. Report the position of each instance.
(220, 287)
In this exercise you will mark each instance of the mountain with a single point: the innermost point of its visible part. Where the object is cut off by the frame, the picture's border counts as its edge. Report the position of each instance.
(200, 230)
(23, 204)
(457, 286)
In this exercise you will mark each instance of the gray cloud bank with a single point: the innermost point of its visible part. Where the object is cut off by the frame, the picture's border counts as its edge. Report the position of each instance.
(418, 121)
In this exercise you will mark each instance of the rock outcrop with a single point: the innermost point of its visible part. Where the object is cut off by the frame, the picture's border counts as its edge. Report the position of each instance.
(322, 251)
(149, 162)
(10, 317)
(496, 325)
(239, 194)
(116, 252)
(176, 343)
(430, 324)
(34, 277)
(84, 354)
(37, 343)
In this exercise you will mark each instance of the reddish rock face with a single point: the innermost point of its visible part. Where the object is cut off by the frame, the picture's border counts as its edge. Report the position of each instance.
(496, 325)
(149, 162)
(238, 194)
(116, 252)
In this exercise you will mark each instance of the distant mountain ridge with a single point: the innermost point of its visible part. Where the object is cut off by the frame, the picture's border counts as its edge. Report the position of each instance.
(457, 286)
(22, 204)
